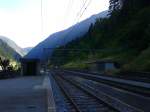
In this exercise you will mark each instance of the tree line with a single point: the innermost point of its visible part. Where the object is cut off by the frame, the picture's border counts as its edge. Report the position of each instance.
(127, 28)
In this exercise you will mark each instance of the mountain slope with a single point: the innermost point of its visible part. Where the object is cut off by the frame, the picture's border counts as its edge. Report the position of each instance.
(9, 50)
(63, 37)
(124, 37)
(13, 45)
(27, 49)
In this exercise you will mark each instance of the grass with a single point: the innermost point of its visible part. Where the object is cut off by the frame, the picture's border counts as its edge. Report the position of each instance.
(141, 62)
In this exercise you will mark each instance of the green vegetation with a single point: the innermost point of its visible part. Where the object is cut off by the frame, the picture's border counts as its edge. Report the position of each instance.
(124, 37)
(7, 53)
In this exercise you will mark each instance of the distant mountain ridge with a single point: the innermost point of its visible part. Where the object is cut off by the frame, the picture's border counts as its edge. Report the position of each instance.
(44, 49)
(10, 49)
(27, 49)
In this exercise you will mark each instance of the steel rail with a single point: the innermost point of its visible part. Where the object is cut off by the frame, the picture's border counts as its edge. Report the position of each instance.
(140, 88)
(90, 94)
(67, 95)
(102, 95)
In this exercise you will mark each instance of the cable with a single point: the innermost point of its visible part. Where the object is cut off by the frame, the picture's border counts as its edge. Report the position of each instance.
(42, 18)
(79, 15)
(84, 10)
(84, 3)
(70, 4)
(78, 18)
(68, 9)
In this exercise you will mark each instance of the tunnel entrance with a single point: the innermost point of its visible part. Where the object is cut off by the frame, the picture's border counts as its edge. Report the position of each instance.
(30, 67)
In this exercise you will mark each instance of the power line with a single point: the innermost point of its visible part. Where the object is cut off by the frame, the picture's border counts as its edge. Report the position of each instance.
(84, 3)
(84, 9)
(70, 4)
(81, 11)
(78, 17)
(42, 18)
(68, 9)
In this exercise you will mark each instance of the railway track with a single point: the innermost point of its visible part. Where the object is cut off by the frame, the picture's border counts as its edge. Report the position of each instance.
(141, 103)
(115, 95)
(134, 76)
(137, 87)
(79, 99)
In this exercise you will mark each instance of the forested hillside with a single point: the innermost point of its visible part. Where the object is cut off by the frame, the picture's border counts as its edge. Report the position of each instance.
(7, 52)
(123, 37)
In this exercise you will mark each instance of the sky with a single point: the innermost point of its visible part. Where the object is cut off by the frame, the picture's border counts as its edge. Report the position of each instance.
(28, 22)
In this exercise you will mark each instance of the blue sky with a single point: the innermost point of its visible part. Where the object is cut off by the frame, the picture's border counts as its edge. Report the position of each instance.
(9, 3)
(20, 20)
